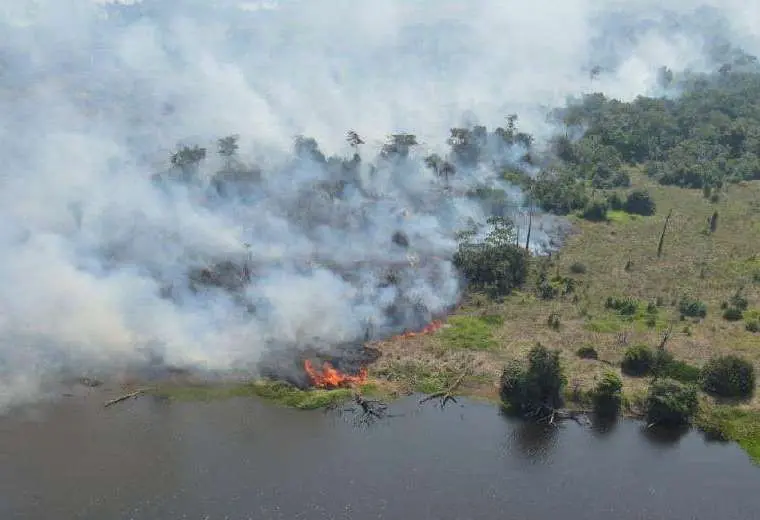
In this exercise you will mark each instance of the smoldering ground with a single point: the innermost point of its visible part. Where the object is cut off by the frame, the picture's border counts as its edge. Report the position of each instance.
(105, 264)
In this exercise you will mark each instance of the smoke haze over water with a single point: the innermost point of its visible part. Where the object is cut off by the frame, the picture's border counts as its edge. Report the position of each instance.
(94, 97)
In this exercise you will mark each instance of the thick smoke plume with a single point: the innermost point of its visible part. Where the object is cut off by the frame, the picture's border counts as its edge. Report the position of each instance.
(113, 258)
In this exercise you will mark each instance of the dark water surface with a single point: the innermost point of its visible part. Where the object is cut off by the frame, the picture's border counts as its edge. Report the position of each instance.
(244, 459)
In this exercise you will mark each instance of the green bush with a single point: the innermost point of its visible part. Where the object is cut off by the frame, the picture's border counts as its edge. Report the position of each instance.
(752, 326)
(615, 202)
(624, 306)
(536, 388)
(638, 360)
(680, 371)
(692, 308)
(587, 352)
(732, 314)
(596, 211)
(607, 396)
(577, 268)
(547, 291)
(738, 301)
(639, 202)
(670, 403)
(728, 376)
(495, 265)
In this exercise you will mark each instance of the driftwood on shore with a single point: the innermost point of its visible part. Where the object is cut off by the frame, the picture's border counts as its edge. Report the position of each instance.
(446, 395)
(554, 415)
(124, 397)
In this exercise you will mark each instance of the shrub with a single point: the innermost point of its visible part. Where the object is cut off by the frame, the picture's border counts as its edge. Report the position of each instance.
(680, 371)
(738, 301)
(607, 396)
(639, 202)
(595, 211)
(547, 291)
(728, 376)
(554, 321)
(732, 314)
(615, 202)
(638, 360)
(496, 265)
(537, 387)
(692, 308)
(670, 403)
(587, 352)
(577, 268)
(752, 326)
(624, 306)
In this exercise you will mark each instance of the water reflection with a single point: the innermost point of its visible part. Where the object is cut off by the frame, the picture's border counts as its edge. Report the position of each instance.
(603, 425)
(535, 441)
(150, 459)
(663, 437)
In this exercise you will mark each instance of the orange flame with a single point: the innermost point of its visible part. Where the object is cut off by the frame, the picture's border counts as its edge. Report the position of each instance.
(332, 378)
(430, 328)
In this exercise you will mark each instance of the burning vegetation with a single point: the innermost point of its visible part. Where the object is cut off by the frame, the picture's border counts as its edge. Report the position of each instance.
(329, 377)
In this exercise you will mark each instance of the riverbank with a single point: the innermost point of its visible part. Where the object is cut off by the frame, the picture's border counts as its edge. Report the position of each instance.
(616, 259)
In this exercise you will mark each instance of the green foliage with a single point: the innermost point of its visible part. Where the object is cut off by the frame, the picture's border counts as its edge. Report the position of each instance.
(469, 332)
(623, 306)
(728, 376)
(559, 192)
(670, 403)
(704, 137)
(734, 424)
(607, 395)
(495, 265)
(596, 211)
(678, 370)
(692, 308)
(638, 360)
(639, 202)
(733, 309)
(288, 395)
(578, 268)
(534, 389)
(752, 320)
(277, 391)
(587, 352)
(615, 202)
(732, 314)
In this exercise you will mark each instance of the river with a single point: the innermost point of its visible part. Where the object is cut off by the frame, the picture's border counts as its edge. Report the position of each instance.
(245, 459)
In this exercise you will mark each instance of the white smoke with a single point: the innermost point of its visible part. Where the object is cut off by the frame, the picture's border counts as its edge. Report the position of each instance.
(95, 95)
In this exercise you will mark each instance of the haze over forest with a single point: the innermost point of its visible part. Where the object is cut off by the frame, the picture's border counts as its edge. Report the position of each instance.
(104, 239)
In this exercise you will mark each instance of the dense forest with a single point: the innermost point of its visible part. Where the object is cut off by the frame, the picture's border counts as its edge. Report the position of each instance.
(706, 137)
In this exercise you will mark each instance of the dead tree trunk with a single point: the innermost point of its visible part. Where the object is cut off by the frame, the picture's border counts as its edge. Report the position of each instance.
(662, 235)
(530, 221)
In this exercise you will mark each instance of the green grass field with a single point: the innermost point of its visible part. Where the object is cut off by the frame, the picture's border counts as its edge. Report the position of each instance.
(619, 260)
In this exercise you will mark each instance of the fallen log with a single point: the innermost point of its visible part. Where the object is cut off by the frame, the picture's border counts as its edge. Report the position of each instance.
(552, 416)
(124, 397)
